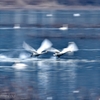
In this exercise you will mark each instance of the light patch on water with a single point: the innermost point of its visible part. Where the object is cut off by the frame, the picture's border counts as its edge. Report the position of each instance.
(87, 61)
(53, 57)
(76, 15)
(23, 56)
(49, 98)
(49, 15)
(3, 28)
(90, 49)
(76, 91)
(19, 66)
(3, 56)
(43, 78)
(90, 67)
(43, 66)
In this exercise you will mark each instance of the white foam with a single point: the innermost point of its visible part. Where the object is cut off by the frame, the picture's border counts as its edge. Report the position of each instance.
(19, 66)
(24, 58)
(3, 56)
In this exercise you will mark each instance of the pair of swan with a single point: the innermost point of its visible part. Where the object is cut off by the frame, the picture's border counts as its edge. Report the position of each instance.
(70, 49)
(46, 46)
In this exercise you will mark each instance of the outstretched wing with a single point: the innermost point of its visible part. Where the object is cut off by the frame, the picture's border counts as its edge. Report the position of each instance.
(28, 47)
(46, 44)
(54, 50)
(64, 51)
(72, 47)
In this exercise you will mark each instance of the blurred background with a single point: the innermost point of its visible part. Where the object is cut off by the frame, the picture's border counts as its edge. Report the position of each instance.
(47, 3)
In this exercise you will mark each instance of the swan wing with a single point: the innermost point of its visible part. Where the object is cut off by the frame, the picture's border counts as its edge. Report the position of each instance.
(72, 47)
(46, 44)
(28, 47)
(64, 51)
(54, 50)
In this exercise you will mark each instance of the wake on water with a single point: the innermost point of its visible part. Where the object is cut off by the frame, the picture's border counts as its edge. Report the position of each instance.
(24, 63)
(24, 57)
(53, 59)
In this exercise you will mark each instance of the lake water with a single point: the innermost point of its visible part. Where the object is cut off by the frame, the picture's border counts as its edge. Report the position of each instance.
(72, 77)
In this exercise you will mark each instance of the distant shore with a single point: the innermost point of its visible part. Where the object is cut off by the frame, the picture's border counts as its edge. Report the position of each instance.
(41, 7)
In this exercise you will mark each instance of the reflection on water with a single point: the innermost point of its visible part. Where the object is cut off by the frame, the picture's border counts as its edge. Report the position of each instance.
(51, 80)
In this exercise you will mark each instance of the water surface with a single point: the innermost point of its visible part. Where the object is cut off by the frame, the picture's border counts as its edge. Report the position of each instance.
(72, 77)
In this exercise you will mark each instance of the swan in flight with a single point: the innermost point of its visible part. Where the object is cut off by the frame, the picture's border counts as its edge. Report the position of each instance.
(46, 44)
(72, 47)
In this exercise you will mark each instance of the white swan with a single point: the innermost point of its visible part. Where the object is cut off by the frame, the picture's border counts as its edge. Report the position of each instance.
(46, 44)
(16, 26)
(64, 27)
(72, 47)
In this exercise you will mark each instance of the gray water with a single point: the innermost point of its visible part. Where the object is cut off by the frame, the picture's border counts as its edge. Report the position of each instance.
(49, 17)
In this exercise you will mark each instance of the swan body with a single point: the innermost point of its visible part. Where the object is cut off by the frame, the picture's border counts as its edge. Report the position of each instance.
(46, 44)
(17, 26)
(72, 47)
(64, 27)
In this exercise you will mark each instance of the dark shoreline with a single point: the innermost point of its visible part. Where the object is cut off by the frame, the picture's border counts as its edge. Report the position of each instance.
(28, 7)
(55, 25)
(52, 25)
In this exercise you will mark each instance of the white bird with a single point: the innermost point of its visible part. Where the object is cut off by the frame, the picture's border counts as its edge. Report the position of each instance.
(72, 47)
(64, 27)
(17, 26)
(46, 44)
